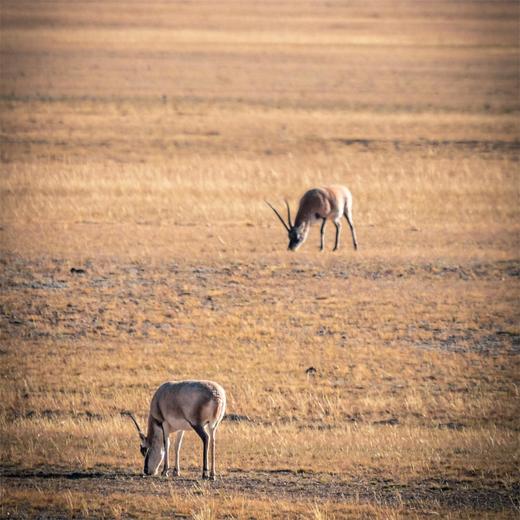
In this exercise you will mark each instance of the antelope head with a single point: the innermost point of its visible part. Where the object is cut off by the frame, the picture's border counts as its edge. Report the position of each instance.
(296, 234)
(151, 448)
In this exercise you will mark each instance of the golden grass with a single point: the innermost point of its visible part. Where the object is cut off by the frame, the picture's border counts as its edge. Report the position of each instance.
(429, 191)
(140, 143)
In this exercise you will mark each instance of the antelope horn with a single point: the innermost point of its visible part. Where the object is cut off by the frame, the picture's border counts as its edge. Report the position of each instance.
(131, 415)
(288, 213)
(279, 216)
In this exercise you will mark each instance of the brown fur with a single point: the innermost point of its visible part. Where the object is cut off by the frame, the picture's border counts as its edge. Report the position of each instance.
(178, 406)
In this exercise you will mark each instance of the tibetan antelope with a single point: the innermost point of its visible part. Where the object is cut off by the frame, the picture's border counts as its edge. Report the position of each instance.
(178, 406)
(319, 204)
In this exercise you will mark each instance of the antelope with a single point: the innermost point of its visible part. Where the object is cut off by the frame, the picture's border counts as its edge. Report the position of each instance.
(319, 204)
(178, 406)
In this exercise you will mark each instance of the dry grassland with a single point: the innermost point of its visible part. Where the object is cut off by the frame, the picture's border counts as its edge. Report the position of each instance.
(139, 142)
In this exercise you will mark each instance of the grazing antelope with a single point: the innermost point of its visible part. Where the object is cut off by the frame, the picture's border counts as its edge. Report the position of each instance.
(328, 202)
(178, 406)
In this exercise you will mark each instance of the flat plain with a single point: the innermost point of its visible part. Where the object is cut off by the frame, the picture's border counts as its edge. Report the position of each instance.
(138, 144)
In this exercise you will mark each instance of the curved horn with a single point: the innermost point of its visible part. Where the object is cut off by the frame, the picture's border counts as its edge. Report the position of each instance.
(288, 213)
(279, 216)
(131, 415)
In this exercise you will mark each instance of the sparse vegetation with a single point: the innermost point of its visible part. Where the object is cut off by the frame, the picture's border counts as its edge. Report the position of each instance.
(138, 146)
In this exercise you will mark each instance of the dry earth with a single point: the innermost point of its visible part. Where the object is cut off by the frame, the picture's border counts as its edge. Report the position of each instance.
(138, 144)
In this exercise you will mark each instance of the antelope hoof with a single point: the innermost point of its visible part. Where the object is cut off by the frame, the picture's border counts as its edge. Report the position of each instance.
(176, 473)
(213, 476)
(165, 473)
(205, 476)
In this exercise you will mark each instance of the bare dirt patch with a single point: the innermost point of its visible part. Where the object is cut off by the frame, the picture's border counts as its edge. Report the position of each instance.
(284, 484)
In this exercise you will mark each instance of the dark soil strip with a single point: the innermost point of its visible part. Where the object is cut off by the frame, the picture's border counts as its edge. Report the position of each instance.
(467, 144)
(299, 484)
